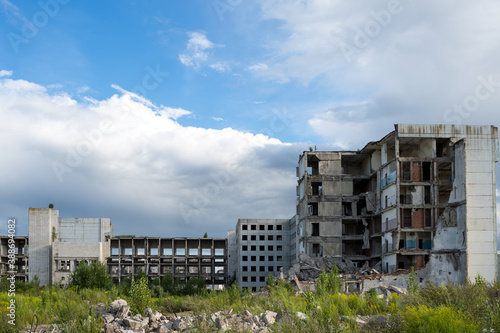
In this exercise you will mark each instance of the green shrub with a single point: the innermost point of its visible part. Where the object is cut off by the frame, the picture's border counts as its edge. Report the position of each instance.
(93, 276)
(140, 298)
(329, 283)
(441, 319)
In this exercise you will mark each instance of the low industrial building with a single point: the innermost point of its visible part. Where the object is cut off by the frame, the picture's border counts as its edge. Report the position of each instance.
(183, 258)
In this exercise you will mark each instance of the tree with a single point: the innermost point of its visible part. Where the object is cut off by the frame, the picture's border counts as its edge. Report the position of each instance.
(167, 283)
(140, 298)
(195, 286)
(205, 235)
(94, 276)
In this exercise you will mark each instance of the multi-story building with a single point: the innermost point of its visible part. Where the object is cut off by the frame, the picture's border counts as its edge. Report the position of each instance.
(422, 196)
(20, 268)
(262, 248)
(184, 258)
(59, 244)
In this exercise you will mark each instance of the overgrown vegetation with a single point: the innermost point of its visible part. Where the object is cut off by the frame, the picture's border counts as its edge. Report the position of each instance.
(472, 307)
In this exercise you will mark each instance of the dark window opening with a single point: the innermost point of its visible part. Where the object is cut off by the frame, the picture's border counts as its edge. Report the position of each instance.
(244, 237)
(312, 208)
(253, 227)
(312, 165)
(426, 171)
(428, 217)
(270, 227)
(244, 227)
(315, 229)
(316, 250)
(253, 237)
(279, 227)
(262, 227)
(317, 188)
(407, 171)
(347, 208)
(406, 218)
(427, 195)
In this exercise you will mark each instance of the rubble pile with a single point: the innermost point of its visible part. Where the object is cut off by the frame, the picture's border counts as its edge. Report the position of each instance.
(308, 268)
(118, 319)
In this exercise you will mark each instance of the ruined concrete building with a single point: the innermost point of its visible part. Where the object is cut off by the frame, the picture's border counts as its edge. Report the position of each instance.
(422, 196)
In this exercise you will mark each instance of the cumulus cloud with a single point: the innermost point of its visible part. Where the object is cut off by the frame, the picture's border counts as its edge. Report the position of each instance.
(406, 61)
(196, 52)
(126, 158)
(4, 72)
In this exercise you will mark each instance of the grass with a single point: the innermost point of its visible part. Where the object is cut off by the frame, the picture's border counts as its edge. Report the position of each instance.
(434, 308)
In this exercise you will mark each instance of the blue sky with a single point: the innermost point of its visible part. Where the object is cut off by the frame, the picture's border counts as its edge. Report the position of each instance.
(199, 109)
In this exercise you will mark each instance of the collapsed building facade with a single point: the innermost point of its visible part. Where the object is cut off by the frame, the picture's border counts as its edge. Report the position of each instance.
(422, 196)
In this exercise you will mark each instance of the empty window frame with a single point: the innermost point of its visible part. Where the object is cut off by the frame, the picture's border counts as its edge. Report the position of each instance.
(315, 229)
(312, 209)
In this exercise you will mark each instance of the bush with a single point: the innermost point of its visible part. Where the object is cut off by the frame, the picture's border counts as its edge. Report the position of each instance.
(440, 319)
(329, 283)
(94, 276)
(140, 298)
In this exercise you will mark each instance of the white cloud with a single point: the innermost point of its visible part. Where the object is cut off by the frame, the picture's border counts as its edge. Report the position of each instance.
(4, 73)
(410, 66)
(221, 67)
(258, 67)
(217, 119)
(124, 157)
(83, 89)
(196, 50)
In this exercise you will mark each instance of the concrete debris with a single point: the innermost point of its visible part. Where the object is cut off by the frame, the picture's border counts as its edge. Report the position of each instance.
(117, 319)
(308, 268)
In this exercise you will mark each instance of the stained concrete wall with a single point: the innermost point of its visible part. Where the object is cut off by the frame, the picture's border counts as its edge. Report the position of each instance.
(41, 223)
(232, 249)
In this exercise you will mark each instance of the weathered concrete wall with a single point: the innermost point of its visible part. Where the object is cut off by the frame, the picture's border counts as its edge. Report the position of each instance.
(232, 249)
(41, 224)
(481, 215)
